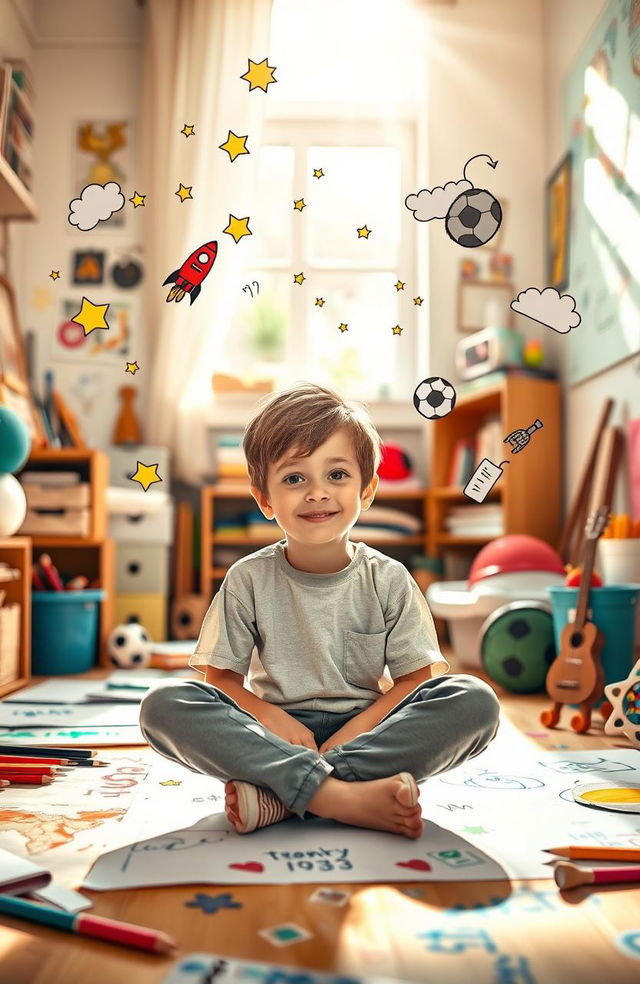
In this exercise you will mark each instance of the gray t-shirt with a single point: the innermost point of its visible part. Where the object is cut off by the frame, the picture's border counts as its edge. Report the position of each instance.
(322, 640)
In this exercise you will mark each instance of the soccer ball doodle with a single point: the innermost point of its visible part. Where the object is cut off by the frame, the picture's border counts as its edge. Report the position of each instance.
(434, 397)
(473, 218)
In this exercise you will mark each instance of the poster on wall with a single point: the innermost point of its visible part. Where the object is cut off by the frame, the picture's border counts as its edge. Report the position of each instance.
(112, 345)
(102, 153)
(602, 112)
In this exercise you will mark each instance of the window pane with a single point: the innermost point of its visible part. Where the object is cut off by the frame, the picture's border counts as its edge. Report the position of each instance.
(361, 186)
(360, 363)
(257, 340)
(271, 223)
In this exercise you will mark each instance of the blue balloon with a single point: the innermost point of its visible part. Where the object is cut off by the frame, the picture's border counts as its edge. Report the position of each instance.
(15, 441)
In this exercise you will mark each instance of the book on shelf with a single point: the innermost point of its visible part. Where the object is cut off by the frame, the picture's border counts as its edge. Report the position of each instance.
(16, 119)
(462, 461)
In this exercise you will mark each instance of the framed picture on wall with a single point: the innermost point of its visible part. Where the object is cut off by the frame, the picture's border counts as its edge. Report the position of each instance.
(558, 218)
(14, 386)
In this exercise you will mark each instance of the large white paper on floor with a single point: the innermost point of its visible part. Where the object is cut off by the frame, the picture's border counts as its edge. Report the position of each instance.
(14, 715)
(92, 737)
(488, 819)
(115, 687)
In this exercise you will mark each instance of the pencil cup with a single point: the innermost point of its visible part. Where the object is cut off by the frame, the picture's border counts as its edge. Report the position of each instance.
(619, 561)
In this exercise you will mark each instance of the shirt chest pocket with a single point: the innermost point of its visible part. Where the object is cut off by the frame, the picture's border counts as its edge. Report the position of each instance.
(364, 658)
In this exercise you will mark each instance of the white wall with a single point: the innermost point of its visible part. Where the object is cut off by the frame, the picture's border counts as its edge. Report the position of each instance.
(566, 27)
(86, 63)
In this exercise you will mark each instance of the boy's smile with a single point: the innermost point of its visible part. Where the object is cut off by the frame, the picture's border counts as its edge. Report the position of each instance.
(316, 500)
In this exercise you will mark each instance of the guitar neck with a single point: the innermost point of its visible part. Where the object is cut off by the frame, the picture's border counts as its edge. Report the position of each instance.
(585, 582)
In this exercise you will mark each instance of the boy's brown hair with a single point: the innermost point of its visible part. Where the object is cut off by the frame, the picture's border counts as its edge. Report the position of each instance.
(304, 416)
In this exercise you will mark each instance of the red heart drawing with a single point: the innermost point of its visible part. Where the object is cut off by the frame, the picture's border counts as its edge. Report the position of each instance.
(248, 866)
(416, 863)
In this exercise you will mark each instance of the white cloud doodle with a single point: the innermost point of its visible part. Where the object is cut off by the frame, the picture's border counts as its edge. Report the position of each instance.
(548, 307)
(435, 204)
(97, 203)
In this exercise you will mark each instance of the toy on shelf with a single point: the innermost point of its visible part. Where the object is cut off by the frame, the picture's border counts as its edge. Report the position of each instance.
(127, 426)
(129, 646)
(15, 445)
(576, 675)
(624, 698)
(395, 463)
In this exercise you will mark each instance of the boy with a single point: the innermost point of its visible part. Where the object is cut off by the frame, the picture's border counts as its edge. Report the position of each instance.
(315, 732)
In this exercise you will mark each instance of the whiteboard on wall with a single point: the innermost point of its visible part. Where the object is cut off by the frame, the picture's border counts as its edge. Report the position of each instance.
(602, 112)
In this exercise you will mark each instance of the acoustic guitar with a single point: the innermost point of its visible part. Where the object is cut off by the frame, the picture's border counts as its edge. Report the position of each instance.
(576, 675)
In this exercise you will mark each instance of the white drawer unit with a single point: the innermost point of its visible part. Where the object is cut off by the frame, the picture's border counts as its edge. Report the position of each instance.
(123, 462)
(142, 568)
(143, 527)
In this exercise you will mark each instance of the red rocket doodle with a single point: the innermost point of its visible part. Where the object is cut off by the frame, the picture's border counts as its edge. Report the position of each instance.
(188, 279)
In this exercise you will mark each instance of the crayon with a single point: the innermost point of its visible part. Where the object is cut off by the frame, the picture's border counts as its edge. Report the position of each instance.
(152, 940)
(569, 875)
(575, 851)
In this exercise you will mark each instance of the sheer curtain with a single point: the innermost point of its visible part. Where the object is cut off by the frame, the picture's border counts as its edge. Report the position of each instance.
(195, 53)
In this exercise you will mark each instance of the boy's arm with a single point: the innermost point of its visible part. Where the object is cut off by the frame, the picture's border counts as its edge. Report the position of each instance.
(232, 684)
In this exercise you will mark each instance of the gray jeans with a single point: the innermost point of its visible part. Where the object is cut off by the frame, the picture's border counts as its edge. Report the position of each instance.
(439, 725)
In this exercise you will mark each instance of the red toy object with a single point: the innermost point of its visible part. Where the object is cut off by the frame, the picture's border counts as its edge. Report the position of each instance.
(395, 463)
(188, 278)
(513, 553)
(574, 574)
(50, 572)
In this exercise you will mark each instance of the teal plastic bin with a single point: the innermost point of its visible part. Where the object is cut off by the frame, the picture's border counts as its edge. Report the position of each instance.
(613, 609)
(64, 630)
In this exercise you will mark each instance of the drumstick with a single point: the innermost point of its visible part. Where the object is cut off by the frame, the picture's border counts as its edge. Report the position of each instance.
(569, 875)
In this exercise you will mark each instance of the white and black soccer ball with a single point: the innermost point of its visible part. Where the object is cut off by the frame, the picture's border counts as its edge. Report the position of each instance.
(129, 646)
(434, 397)
(473, 218)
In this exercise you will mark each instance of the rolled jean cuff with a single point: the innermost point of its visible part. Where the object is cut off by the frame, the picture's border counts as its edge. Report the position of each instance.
(314, 778)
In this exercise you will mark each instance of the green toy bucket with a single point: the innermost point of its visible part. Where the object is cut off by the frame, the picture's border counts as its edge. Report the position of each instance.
(64, 631)
(613, 609)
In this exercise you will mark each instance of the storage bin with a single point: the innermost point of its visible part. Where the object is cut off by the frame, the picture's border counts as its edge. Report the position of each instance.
(613, 610)
(142, 568)
(153, 527)
(56, 522)
(64, 630)
(148, 609)
(619, 563)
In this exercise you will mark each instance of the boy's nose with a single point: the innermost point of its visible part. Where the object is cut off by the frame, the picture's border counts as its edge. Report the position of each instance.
(317, 492)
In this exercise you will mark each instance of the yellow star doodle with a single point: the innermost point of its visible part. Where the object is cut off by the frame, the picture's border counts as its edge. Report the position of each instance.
(188, 131)
(363, 232)
(235, 145)
(137, 199)
(91, 316)
(184, 192)
(146, 475)
(342, 327)
(319, 301)
(54, 274)
(298, 277)
(238, 227)
(318, 172)
(259, 74)
(399, 285)
(132, 367)
(171, 782)
(299, 204)
(417, 301)
(397, 330)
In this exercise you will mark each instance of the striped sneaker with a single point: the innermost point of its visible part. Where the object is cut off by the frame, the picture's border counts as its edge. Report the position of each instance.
(256, 807)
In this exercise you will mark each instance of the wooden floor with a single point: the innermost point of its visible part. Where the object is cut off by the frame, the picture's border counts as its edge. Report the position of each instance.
(474, 932)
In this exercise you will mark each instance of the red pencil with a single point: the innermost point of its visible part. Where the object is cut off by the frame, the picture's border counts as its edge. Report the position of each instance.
(32, 760)
(30, 768)
(33, 780)
(50, 572)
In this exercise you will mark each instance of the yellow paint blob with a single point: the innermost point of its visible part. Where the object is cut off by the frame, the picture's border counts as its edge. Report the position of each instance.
(614, 795)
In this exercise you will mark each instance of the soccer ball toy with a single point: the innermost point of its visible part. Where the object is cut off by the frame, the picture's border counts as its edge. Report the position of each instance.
(473, 218)
(518, 646)
(129, 646)
(434, 397)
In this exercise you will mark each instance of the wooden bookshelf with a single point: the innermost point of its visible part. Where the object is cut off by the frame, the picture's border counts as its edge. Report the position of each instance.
(92, 555)
(530, 488)
(16, 551)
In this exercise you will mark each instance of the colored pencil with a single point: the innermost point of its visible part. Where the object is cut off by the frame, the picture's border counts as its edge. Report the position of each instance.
(575, 851)
(569, 875)
(4, 782)
(18, 777)
(29, 767)
(5, 759)
(100, 927)
(48, 750)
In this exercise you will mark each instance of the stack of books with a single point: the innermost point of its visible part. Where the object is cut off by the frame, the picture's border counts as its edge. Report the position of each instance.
(382, 523)
(482, 520)
(16, 119)
(231, 464)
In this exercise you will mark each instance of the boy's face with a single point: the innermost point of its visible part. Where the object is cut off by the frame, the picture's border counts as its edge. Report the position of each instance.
(316, 500)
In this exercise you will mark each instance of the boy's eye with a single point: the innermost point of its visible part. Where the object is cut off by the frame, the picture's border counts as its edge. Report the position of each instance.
(339, 472)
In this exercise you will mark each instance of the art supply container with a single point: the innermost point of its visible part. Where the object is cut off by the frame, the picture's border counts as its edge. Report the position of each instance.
(64, 632)
(619, 563)
(613, 610)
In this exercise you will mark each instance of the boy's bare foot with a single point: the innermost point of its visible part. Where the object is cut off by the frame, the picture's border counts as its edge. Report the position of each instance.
(381, 804)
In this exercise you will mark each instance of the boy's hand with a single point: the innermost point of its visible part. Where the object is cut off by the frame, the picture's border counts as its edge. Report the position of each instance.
(286, 727)
(346, 733)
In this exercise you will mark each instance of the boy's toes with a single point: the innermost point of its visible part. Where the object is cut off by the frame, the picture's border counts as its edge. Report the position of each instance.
(407, 793)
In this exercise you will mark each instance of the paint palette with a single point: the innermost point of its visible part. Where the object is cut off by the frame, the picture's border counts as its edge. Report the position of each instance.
(608, 796)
